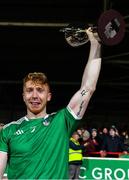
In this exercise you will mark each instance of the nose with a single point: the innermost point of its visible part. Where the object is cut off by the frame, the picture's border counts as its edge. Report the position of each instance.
(34, 94)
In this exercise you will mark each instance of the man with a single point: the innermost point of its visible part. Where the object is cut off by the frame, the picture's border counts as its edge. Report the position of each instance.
(75, 155)
(37, 145)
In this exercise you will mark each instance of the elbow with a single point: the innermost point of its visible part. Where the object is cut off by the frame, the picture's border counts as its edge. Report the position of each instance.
(89, 87)
(92, 89)
(87, 90)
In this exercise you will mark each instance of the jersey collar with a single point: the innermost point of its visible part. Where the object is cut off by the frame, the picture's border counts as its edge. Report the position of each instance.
(45, 117)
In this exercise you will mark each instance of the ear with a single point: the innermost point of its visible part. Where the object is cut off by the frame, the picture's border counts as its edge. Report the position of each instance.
(49, 96)
(23, 96)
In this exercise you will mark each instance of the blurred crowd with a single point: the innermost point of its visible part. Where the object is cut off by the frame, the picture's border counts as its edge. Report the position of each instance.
(95, 142)
(105, 142)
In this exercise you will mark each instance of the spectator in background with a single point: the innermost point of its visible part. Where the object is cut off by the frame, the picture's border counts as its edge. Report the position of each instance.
(92, 143)
(75, 156)
(95, 139)
(112, 143)
(89, 148)
(103, 134)
(105, 131)
(125, 139)
(80, 131)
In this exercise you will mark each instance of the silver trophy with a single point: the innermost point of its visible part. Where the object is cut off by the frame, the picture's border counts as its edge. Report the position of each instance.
(76, 35)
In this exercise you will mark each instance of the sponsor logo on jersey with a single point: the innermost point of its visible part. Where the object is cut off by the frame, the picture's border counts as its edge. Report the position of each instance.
(46, 123)
(33, 129)
(19, 132)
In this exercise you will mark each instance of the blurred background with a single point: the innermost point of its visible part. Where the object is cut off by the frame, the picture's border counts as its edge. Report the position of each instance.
(30, 40)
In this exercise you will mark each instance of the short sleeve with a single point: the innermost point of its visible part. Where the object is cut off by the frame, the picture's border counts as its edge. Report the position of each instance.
(71, 121)
(3, 140)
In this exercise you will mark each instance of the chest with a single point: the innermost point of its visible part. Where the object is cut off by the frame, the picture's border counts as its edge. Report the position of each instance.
(34, 137)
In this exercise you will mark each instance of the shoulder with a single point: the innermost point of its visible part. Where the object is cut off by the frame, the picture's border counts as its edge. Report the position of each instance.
(14, 123)
(63, 113)
(59, 112)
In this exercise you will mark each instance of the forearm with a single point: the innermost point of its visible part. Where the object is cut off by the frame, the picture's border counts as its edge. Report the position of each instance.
(79, 102)
(92, 69)
(3, 161)
(2, 172)
(76, 147)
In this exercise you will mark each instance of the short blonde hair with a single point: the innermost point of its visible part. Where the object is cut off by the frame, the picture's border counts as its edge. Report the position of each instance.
(36, 77)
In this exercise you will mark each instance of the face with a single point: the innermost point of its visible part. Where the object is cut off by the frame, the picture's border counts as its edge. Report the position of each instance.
(79, 132)
(36, 96)
(112, 132)
(94, 133)
(105, 131)
(76, 136)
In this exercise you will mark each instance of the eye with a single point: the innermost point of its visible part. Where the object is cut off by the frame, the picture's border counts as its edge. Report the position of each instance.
(40, 90)
(29, 90)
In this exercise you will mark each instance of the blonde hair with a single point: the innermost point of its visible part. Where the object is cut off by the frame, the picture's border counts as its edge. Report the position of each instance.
(36, 77)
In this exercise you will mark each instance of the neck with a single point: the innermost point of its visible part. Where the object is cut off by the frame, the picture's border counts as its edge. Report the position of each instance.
(31, 115)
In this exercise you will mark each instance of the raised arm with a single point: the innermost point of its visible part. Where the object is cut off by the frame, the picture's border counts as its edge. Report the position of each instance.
(80, 100)
(3, 162)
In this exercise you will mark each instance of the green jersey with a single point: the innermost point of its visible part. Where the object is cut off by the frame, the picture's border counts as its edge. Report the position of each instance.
(38, 148)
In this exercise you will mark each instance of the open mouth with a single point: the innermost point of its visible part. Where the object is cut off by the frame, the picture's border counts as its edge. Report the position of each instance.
(35, 104)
